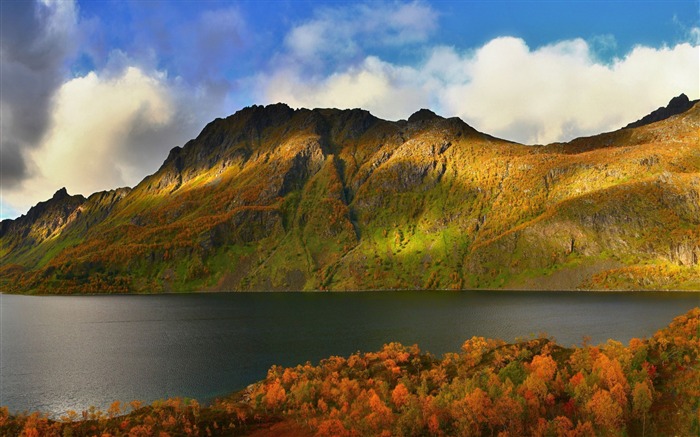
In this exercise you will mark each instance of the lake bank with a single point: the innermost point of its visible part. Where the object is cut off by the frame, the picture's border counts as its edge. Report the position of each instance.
(70, 352)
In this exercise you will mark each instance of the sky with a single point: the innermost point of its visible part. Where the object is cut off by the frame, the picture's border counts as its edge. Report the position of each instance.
(93, 94)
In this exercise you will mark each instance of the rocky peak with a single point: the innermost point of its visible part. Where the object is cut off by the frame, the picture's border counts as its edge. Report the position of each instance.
(60, 202)
(345, 124)
(254, 119)
(681, 102)
(677, 105)
(422, 115)
(45, 216)
(60, 194)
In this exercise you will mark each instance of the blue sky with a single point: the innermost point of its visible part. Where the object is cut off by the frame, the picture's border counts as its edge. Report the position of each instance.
(95, 93)
(137, 26)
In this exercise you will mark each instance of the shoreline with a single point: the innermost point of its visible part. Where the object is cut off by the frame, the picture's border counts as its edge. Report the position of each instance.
(373, 290)
(667, 369)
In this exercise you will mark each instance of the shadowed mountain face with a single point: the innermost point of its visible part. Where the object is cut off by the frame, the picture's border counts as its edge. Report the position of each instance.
(677, 105)
(273, 198)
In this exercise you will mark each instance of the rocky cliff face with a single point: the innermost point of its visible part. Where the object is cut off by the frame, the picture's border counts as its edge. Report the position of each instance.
(42, 220)
(276, 198)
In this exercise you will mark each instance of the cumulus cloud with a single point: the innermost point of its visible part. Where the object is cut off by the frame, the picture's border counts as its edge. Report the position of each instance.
(560, 91)
(532, 95)
(108, 127)
(109, 130)
(377, 85)
(92, 121)
(552, 93)
(36, 38)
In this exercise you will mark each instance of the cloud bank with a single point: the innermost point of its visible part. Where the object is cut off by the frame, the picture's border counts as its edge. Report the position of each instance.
(552, 93)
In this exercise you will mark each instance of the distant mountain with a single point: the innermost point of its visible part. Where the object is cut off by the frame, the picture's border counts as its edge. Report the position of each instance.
(273, 198)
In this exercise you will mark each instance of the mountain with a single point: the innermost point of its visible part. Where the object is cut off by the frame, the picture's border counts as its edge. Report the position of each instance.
(273, 198)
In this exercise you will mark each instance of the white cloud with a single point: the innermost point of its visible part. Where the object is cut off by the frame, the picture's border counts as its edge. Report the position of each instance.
(603, 45)
(108, 130)
(92, 119)
(373, 84)
(92, 116)
(553, 93)
(340, 34)
(695, 35)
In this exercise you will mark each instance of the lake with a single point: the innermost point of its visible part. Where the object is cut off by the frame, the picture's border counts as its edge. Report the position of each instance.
(70, 352)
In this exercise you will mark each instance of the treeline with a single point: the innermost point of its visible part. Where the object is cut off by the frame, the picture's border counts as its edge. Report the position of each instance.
(650, 387)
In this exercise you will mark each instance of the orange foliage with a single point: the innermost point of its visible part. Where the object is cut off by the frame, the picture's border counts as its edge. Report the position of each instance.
(531, 388)
(400, 395)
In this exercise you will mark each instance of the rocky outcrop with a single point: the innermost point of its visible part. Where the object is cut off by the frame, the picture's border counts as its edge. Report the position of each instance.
(677, 105)
(423, 115)
(306, 161)
(685, 253)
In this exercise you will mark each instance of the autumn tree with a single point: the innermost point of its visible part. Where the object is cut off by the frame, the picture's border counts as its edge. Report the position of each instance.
(641, 402)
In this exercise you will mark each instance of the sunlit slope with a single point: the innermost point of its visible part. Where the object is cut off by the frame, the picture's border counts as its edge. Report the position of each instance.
(32, 241)
(273, 198)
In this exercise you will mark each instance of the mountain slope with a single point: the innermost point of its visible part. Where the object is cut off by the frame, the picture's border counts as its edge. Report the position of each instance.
(275, 198)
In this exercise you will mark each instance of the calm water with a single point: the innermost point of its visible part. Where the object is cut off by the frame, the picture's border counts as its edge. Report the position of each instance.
(70, 352)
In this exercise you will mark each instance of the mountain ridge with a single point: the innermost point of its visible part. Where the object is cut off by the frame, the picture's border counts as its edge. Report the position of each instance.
(276, 198)
(677, 105)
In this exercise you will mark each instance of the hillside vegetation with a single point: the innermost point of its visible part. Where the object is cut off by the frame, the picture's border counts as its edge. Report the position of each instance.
(537, 388)
(273, 198)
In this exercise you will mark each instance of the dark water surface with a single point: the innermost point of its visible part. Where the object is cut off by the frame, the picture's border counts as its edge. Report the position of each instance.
(70, 352)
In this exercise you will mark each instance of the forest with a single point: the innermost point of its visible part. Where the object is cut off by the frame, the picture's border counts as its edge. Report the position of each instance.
(531, 387)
